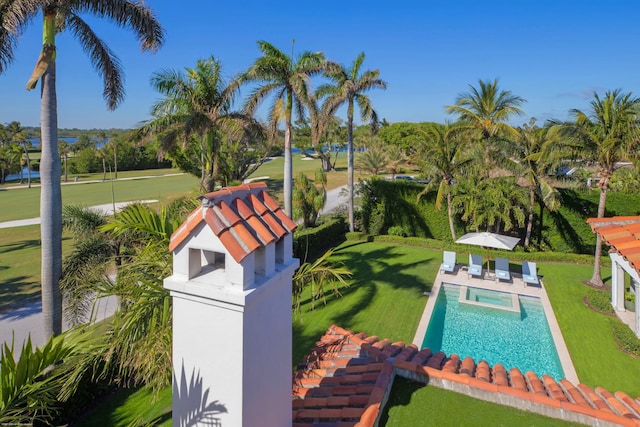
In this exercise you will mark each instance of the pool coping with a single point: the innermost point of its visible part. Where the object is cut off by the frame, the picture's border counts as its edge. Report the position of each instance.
(516, 286)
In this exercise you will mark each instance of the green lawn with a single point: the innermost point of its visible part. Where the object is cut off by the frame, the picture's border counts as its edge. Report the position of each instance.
(413, 404)
(386, 299)
(25, 203)
(597, 360)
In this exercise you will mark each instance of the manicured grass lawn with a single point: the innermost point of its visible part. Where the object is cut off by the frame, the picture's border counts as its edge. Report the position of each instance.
(588, 336)
(20, 265)
(25, 203)
(413, 404)
(385, 297)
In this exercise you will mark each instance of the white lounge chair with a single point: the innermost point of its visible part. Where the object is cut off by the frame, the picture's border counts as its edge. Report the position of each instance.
(502, 269)
(448, 262)
(530, 273)
(475, 265)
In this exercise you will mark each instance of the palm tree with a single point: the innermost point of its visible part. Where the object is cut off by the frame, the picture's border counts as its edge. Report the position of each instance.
(502, 204)
(59, 16)
(278, 73)
(18, 137)
(197, 104)
(64, 150)
(374, 161)
(536, 155)
(349, 86)
(442, 154)
(606, 135)
(487, 109)
(309, 197)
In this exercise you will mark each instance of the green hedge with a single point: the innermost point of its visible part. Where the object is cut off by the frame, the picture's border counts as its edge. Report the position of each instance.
(625, 338)
(391, 207)
(600, 300)
(309, 243)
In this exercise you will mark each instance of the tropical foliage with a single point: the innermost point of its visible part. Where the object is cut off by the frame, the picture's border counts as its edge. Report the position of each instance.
(289, 81)
(61, 16)
(605, 135)
(309, 197)
(29, 387)
(349, 87)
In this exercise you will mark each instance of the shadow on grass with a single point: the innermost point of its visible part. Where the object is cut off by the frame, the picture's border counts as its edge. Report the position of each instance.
(400, 395)
(24, 291)
(17, 246)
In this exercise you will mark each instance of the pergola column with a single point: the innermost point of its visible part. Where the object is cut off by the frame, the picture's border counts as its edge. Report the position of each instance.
(617, 283)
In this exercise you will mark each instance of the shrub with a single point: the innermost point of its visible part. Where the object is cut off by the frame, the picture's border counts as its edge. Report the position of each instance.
(599, 300)
(397, 230)
(625, 338)
(309, 243)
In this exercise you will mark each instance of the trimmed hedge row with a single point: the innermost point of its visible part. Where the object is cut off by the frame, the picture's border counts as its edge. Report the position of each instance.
(625, 338)
(309, 243)
(392, 207)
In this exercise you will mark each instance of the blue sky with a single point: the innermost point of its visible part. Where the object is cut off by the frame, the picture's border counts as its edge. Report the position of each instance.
(553, 54)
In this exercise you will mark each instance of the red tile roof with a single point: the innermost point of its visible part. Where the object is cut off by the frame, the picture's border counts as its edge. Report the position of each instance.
(622, 233)
(244, 218)
(347, 378)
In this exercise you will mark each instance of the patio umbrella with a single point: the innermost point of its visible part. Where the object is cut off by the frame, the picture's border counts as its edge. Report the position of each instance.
(489, 240)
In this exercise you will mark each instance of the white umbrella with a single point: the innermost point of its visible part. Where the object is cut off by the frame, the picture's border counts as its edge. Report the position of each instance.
(489, 240)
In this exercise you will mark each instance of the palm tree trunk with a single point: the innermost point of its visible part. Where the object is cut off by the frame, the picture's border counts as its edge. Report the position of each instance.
(26, 152)
(450, 213)
(350, 156)
(66, 169)
(540, 223)
(532, 201)
(104, 168)
(50, 206)
(115, 159)
(596, 278)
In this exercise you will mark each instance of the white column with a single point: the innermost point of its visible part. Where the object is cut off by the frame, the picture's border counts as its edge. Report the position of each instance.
(617, 283)
(637, 294)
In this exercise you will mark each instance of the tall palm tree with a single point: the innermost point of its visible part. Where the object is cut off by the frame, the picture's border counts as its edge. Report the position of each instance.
(349, 86)
(290, 81)
(196, 103)
(59, 16)
(487, 109)
(443, 153)
(606, 135)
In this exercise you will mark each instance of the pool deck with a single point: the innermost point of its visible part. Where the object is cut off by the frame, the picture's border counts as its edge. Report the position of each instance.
(515, 285)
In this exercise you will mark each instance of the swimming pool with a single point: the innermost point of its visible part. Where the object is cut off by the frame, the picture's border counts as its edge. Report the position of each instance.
(521, 340)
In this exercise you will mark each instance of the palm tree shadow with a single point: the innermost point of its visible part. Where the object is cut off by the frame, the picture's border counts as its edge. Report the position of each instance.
(192, 402)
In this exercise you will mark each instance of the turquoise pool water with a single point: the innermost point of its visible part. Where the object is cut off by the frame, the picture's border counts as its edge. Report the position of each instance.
(521, 340)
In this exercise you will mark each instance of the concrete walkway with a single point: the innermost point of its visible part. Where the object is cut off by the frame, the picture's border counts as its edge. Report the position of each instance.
(27, 320)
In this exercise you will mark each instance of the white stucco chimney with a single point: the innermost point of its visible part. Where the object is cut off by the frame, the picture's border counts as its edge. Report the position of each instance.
(231, 293)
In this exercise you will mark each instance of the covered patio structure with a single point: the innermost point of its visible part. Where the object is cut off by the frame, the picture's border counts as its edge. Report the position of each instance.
(622, 233)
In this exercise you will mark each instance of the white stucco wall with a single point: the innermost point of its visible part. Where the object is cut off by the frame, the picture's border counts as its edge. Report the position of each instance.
(238, 346)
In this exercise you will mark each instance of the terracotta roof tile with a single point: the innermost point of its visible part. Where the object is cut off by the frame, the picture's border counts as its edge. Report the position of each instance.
(622, 234)
(239, 218)
(355, 383)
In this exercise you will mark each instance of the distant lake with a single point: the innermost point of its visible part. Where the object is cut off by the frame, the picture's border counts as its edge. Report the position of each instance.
(25, 171)
(35, 142)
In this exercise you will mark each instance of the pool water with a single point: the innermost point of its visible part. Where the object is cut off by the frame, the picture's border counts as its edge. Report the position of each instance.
(521, 340)
(500, 299)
